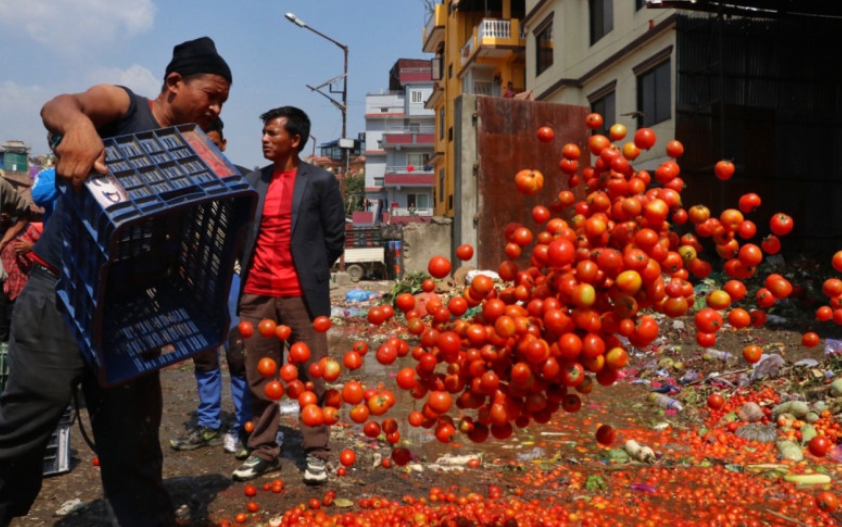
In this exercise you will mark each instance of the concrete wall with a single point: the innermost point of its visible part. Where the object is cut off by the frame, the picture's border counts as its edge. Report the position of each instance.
(422, 241)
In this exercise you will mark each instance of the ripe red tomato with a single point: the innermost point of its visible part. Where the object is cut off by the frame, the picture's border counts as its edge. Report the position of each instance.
(781, 224)
(347, 457)
(95, 461)
(529, 182)
(545, 134)
(267, 367)
(465, 252)
(675, 149)
(266, 327)
(810, 339)
(819, 446)
(282, 332)
(241, 517)
(749, 202)
(246, 329)
(645, 138)
(252, 506)
(438, 267)
(274, 390)
(605, 435)
(724, 170)
(715, 401)
(299, 353)
(827, 501)
(249, 427)
(594, 121)
(752, 353)
(321, 324)
(250, 490)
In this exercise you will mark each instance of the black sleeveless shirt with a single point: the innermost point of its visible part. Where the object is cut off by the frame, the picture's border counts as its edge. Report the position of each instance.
(138, 118)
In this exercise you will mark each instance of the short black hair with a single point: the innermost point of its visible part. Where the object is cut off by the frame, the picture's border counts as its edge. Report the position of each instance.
(297, 122)
(216, 126)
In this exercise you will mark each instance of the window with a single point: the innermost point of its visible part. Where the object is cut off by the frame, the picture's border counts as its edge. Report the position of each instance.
(441, 123)
(418, 201)
(415, 160)
(414, 127)
(639, 4)
(544, 46)
(441, 185)
(602, 18)
(378, 181)
(606, 107)
(380, 144)
(450, 71)
(654, 97)
(450, 134)
(384, 109)
(415, 97)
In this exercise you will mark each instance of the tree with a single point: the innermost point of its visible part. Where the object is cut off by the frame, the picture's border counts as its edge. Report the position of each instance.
(429, 6)
(354, 192)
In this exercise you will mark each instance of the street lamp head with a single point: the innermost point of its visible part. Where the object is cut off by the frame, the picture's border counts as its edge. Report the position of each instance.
(295, 20)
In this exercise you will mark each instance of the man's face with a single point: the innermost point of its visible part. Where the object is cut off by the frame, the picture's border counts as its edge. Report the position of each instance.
(276, 141)
(217, 140)
(199, 100)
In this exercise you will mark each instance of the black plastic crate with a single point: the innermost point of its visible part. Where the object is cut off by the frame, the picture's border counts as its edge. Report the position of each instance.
(149, 251)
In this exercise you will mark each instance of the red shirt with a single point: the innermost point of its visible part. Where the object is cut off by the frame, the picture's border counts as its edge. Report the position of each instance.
(273, 272)
(17, 265)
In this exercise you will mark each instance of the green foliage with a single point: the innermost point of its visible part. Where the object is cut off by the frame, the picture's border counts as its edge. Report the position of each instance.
(354, 192)
(410, 283)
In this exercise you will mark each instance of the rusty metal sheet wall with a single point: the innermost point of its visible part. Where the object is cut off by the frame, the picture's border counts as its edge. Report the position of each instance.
(507, 142)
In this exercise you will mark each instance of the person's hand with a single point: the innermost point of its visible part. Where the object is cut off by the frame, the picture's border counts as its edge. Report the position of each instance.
(22, 246)
(80, 151)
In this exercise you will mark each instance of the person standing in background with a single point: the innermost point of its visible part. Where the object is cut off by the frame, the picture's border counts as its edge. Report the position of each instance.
(14, 216)
(297, 235)
(207, 431)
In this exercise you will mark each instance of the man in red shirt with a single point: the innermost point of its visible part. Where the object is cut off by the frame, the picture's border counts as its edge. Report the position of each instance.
(297, 235)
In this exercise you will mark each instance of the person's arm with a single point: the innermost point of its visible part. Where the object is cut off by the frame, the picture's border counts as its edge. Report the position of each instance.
(333, 220)
(75, 119)
(12, 232)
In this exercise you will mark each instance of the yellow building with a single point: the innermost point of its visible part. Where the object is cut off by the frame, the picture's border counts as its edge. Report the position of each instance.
(479, 47)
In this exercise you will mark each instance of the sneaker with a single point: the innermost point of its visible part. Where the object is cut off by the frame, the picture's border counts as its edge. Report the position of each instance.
(253, 467)
(198, 437)
(316, 471)
(234, 442)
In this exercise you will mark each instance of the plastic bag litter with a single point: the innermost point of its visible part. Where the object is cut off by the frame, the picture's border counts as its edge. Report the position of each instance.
(360, 295)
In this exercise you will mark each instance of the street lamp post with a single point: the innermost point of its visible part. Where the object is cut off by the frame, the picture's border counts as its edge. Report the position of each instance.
(343, 107)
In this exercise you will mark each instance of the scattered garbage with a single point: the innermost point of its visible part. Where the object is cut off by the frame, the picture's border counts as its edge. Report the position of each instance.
(639, 452)
(360, 295)
(769, 366)
(832, 347)
(665, 401)
(715, 354)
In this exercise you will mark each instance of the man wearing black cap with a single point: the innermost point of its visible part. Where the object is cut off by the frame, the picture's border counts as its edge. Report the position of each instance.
(45, 363)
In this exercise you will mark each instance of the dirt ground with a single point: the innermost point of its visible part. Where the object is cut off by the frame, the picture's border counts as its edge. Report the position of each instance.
(200, 483)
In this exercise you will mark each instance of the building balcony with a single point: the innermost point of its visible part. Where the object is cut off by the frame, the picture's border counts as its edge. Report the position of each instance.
(493, 38)
(434, 29)
(402, 177)
(409, 137)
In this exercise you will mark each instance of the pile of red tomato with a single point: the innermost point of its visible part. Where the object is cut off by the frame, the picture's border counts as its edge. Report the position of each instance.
(565, 323)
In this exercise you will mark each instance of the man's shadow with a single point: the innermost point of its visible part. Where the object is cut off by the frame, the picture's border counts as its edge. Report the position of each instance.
(196, 493)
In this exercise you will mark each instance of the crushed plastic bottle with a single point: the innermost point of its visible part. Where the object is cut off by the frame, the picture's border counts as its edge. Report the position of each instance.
(665, 401)
(715, 354)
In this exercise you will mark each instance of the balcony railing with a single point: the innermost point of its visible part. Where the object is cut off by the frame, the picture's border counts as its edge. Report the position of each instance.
(492, 28)
(403, 169)
(423, 129)
(406, 211)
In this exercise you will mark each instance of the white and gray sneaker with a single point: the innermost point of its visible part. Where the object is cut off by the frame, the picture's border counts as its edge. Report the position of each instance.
(229, 442)
(254, 467)
(316, 471)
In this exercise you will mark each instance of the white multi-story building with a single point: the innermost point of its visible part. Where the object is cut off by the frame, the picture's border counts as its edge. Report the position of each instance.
(399, 145)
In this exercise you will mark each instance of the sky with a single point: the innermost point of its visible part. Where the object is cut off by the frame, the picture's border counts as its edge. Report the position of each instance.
(50, 47)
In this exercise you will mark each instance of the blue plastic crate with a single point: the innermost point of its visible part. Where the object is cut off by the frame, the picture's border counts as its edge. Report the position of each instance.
(149, 251)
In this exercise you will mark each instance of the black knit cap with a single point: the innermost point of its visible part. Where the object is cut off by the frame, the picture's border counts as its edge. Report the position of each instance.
(197, 57)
